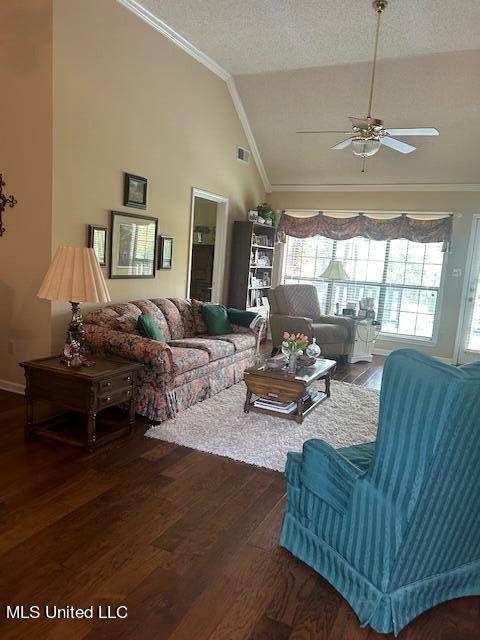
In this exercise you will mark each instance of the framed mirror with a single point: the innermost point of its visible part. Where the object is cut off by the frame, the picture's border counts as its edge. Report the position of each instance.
(97, 240)
(133, 245)
(165, 252)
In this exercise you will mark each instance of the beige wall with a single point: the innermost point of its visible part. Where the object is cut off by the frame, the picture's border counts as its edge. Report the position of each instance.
(26, 163)
(127, 99)
(462, 204)
(205, 215)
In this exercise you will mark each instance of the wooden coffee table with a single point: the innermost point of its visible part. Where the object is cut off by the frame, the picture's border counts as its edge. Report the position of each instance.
(276, 385)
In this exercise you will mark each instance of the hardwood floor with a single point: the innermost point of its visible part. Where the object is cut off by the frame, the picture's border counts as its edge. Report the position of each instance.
(187, 541)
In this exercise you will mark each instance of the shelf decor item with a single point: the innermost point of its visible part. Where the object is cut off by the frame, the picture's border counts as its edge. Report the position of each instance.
(75, 276)
(267, 213)
(134, 191)
(5, 202)
(133, 245)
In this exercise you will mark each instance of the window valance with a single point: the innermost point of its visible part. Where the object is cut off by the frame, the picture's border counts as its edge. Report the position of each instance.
(401, 226)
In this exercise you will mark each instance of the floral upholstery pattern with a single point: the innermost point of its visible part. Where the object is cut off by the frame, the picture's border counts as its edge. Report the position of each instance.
(172, 316)
(146, 306)
(105, 317)
(174, 377)
(187, 359)
(200, 326)
(186, 313)
(216, 349)
(127, 324)
(241, 341)
(125, 309)
(157, 355)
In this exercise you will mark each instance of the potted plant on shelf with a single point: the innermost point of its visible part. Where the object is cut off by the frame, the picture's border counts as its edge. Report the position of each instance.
(267, 213)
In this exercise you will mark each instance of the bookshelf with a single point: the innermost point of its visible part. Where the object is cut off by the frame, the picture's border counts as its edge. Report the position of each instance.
(251, 266)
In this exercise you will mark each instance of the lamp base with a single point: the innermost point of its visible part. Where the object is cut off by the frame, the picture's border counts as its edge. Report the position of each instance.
(75, 328)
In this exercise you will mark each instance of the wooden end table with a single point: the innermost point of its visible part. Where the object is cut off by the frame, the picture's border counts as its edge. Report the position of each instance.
(84, 390)
(277, 385)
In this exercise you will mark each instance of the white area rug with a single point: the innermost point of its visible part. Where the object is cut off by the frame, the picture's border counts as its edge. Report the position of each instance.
(219, 425)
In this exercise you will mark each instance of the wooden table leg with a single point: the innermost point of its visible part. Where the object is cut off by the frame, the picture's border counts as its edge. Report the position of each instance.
(299, 414)
(131, 412)
(327, 384)
(91, 432)
(246, 407)
(29, 415)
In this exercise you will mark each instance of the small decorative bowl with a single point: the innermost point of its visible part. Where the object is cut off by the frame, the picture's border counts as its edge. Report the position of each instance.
(277, 362)
(305, 361)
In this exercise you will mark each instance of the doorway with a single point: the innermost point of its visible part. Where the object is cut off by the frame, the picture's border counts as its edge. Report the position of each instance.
(469, 336)
(208, 233)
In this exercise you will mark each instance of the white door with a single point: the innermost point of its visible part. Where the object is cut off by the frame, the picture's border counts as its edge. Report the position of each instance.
(220, 243)
(470, 334)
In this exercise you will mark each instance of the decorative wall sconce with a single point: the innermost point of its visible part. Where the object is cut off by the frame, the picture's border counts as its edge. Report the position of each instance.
(5, 201)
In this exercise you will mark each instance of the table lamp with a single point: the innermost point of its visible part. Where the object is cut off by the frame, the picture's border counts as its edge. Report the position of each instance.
(75, 276)
(335, 271)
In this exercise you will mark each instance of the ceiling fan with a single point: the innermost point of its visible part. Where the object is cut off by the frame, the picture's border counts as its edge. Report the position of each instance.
(368, 134)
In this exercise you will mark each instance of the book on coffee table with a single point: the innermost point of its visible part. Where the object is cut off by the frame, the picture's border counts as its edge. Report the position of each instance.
(280, 407)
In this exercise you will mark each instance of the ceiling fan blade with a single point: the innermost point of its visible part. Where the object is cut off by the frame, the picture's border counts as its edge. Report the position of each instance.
(360, 123)
(343, 145)
(426, 131)
(398, 145)
(345, 132)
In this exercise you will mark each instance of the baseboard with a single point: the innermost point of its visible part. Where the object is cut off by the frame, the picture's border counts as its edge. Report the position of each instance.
(14, 387)
(387, 352)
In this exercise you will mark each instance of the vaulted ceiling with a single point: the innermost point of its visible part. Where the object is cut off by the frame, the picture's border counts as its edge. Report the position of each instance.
(305, 64)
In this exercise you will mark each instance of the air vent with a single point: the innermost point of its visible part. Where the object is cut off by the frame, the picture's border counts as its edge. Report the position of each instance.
(243, 154)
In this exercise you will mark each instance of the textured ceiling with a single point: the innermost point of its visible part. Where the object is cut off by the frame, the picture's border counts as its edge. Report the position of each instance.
(254, 36)
(306, 64)
(441, 91)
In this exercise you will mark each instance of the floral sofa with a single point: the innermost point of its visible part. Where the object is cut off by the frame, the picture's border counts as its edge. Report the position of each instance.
(189, 367)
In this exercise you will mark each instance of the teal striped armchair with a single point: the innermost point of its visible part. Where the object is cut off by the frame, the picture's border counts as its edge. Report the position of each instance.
(394, 525)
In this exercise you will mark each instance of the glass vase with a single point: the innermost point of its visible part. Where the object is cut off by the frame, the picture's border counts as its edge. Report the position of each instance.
(313, 350)
(292, 364)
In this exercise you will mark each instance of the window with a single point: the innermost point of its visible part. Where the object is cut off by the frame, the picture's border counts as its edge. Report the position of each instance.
(403, 278)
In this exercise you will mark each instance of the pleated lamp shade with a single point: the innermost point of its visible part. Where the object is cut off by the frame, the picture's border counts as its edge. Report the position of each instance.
(335, 271)
(75, 276)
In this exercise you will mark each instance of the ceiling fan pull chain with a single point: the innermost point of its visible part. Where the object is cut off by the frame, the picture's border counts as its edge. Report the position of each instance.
(379, 6)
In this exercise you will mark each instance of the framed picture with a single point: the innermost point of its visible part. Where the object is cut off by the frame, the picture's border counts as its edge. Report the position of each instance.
(133, 245)
(165, 252)
(97, 239)
(135, 191)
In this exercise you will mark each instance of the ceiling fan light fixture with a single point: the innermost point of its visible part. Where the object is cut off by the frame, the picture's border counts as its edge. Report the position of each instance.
(365, 146)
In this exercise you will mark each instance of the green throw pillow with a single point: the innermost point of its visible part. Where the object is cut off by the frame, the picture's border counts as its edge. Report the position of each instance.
(241, 317)
(148, 328)
(215, 317)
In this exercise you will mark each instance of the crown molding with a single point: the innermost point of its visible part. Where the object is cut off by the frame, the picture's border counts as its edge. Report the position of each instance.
(222, 73)
(232, 87)
(174, 37)
(430, 186)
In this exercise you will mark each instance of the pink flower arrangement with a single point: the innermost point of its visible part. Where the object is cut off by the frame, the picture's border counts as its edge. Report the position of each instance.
(72, 348)
(294, 343)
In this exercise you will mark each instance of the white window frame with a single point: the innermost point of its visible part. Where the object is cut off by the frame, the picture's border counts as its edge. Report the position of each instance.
(394, 337)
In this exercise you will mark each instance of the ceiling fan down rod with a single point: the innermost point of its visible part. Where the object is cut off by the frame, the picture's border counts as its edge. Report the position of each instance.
(379, 6)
